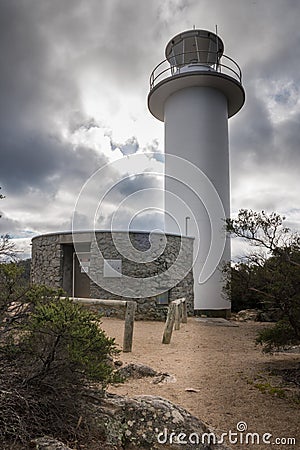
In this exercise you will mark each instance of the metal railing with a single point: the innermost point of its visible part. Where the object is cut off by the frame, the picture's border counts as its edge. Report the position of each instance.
(166, 70)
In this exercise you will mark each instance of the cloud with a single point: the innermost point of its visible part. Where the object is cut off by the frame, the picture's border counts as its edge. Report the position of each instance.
(8, 226)
(74, 81)
(130, 147)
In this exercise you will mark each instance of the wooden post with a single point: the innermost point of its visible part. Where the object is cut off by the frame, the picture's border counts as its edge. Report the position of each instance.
(169, 324)
(128, 328)
(184, 311)
(177, 316)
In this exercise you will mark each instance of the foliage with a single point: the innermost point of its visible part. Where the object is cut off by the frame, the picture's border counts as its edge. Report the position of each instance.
(25, 265)
(51, 351)
(280, 335)
(13, 300)
(64, 339)
(7, 248)
(260, 229)
(268, 279)
(60, 339)
(14, 284)
(29, 410)
(243, 283)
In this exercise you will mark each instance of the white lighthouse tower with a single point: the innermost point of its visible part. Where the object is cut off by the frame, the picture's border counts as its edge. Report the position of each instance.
(194, 92)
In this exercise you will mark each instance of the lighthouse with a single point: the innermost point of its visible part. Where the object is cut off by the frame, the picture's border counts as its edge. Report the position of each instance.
(194, 91)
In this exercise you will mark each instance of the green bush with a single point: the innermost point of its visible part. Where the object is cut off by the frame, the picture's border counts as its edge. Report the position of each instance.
(269, 276)
(280, 335)
(240, 281)
(51, 358)
(64, 339)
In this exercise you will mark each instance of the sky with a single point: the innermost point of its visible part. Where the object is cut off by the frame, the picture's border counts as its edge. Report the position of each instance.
(74, 82)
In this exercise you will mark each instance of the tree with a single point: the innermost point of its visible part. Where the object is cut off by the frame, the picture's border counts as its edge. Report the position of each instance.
(7, 248)
(13, 285)
(244, 281)
(273, 271)
(13, 297)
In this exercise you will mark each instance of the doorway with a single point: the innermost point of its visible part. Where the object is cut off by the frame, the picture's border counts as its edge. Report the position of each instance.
(76, 281)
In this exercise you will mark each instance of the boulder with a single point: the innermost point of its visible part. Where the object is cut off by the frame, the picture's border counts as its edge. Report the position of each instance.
(148, 422)
(136, 371)
(248, 314)
(142, 423)
(133, 370)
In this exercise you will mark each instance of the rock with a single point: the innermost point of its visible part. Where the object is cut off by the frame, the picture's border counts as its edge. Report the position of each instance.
(248, 314)
(164, 378)
(118, 363)
(146, 422)
(142, 423)
(136, 371)
(48, 443)
(109, 362)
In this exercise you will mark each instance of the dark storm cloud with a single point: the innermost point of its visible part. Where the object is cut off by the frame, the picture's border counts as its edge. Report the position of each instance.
(252, 137)
(44, 46)
(52, 51)
(264, 140)
(30, 161)
(36, 161)
(35, 84)
(289, 142)
(34, 97)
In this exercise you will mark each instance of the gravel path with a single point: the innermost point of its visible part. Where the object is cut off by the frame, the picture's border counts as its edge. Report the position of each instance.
(221, 376)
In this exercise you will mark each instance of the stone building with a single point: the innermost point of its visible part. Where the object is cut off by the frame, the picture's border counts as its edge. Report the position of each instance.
(152, 269)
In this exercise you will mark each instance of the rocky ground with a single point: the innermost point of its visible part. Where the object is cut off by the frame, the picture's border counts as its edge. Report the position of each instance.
(211, 378)
(219, 375)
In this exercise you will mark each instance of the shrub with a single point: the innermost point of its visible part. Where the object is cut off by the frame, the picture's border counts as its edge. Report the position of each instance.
(270, 277)
(50, 360)
(64, 340)
(280, 335)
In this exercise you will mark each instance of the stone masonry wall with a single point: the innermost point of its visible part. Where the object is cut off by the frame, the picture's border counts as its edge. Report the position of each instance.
(46, 264)
(173, 266)
(106, 246)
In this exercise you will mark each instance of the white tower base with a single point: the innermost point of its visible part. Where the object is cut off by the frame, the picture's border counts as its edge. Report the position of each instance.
(196, 129)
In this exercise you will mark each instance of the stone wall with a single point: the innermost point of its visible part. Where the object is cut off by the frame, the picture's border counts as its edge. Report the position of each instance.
(47, 261)
(139, 275)
(149, 266)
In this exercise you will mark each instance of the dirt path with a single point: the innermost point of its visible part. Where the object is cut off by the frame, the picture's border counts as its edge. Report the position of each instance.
(225, 368)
